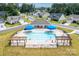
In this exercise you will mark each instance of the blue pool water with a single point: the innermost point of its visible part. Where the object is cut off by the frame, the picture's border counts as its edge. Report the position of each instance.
(42, 36)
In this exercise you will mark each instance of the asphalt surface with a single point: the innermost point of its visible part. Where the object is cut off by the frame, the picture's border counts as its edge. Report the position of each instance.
(12, 28)
(68, 27)
(21, 26)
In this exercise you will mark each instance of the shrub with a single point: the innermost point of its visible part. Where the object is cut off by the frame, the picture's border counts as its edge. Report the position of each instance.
(74, 22)
(77, 22)
(54, 20)
(62, 21)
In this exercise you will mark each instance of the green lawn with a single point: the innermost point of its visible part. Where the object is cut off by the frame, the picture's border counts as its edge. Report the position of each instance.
(12, 25)
(54, 22)
(65, 29)
(74, 24)
(27, 20)
(5, 49)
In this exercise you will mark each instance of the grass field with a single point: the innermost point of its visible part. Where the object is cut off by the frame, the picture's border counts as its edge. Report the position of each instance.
(74, 24)
(27, 20)
(54, 22)
(12, 25)
(7, 50)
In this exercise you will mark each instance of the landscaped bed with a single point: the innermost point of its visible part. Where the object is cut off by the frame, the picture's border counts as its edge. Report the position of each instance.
(5, 49)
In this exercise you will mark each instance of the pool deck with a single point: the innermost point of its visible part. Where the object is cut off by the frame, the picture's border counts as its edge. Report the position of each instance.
(20, 39)
(56, 31)
(21, 33)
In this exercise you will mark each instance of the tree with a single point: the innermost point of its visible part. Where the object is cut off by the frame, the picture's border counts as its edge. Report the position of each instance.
(65, 8)
(12, 9)
(2, 6)
(13, 12)
(78, 22)
(48, 9)
(27, 8)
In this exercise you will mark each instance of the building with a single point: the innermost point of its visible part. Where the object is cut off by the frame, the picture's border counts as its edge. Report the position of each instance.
(72, 18)
(38, 13)
(13, 19)
(57, 16)
(41, 14)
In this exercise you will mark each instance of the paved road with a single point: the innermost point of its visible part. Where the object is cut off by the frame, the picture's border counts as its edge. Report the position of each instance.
(68, 27)
(21, 26)
(12, 28)
(65, 26)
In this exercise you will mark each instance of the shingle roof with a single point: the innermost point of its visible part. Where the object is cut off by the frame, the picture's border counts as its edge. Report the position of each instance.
(13, 17)
(55, 15)
(73, 17)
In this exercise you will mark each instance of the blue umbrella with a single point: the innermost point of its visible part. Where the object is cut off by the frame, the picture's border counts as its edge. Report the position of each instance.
(51, 27)
(29, 27)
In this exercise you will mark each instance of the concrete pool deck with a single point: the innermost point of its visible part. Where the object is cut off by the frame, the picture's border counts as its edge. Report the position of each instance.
(56, 31)
(20, 39)
(22, 33)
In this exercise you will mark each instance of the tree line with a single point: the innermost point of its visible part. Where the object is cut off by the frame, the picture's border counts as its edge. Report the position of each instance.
(14, 9)
(66, 8)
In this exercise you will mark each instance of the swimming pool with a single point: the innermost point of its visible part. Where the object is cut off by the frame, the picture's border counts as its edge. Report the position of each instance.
(40, 36)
